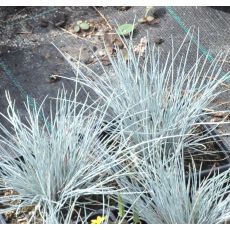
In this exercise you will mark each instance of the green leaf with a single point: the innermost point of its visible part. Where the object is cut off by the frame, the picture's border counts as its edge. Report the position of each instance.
(121, 208)
(84, 26)
(77, 28)
(125, 29)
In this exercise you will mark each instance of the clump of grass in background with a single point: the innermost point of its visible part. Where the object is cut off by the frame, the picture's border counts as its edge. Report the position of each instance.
(172, 196)
(62, 163)
(157, 96)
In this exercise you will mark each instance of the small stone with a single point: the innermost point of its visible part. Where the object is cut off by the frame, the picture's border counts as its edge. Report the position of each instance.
(149, 18)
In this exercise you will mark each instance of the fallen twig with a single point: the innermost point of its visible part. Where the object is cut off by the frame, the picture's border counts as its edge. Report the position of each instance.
(103, 17)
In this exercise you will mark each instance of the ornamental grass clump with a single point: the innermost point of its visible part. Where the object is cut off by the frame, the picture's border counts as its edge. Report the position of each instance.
(57, 163)
(172, 196)
(156, 95)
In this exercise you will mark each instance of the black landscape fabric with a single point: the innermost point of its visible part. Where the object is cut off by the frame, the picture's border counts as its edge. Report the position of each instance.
(28, 57)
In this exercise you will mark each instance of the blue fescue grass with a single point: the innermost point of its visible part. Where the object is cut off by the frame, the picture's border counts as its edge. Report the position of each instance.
(61, 163)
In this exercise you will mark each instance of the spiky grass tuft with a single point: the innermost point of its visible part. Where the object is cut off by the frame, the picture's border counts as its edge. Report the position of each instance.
(158, 95)
(61, 160)
(170, 195)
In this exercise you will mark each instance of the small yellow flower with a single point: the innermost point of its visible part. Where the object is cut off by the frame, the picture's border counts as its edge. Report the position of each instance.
(99, 220)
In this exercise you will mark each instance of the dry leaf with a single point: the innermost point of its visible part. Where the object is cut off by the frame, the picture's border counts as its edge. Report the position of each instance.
(141, 47)
(118, 43)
